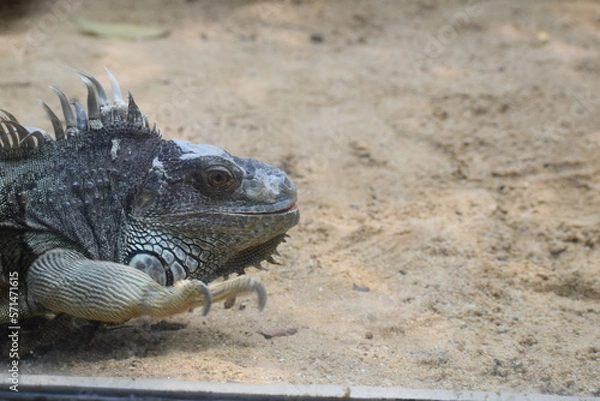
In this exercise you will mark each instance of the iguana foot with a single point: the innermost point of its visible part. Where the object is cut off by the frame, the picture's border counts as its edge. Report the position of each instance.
(242, 284)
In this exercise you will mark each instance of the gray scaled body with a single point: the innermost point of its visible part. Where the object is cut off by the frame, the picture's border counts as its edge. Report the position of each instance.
(108, 221)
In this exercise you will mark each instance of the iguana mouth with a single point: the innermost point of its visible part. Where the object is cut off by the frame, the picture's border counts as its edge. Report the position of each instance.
(291, 207)
(285, 208)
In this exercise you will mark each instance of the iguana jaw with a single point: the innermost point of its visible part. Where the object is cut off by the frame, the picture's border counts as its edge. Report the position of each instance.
(254, 255)
(239, 240)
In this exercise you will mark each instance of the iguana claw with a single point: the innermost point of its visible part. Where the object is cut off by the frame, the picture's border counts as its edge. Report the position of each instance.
(207, 301)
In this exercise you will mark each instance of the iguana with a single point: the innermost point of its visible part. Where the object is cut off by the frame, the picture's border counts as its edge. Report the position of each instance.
(107, 221)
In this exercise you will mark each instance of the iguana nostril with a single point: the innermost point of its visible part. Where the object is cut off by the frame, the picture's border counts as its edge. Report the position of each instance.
(288, 186)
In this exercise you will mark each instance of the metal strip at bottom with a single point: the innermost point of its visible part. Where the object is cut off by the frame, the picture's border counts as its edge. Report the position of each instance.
(45, 387)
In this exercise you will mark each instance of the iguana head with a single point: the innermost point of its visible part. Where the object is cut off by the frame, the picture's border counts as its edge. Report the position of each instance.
(204, 213)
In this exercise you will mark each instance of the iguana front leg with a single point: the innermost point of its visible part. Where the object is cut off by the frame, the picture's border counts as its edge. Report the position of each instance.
(64, 281)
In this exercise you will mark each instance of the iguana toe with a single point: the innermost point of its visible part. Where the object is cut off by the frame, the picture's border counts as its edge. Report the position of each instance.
(239, 285)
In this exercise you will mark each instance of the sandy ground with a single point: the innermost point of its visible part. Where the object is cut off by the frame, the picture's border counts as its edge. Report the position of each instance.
(446, 155)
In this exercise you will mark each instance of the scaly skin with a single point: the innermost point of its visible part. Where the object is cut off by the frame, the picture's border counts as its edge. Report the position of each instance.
(108, 221)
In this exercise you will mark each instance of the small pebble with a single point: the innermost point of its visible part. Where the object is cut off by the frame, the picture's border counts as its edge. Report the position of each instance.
(360, 288)
(279, 332)
(369, 335)
(229, 302)
(317, 38)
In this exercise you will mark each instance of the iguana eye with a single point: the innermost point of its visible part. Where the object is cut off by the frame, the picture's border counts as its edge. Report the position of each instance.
(219, 178)
(213, 175)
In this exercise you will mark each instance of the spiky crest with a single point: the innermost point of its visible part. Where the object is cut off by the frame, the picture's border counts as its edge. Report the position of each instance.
(101, 113)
